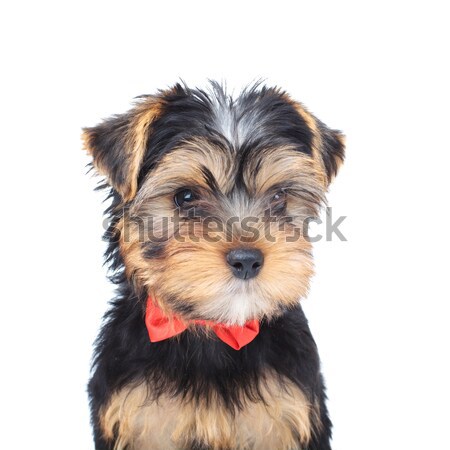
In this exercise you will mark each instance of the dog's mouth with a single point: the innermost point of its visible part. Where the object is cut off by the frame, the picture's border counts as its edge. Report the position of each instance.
(240, 300)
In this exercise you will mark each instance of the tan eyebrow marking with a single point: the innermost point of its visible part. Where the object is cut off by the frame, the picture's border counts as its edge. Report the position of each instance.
(278, 165)
(186, 163)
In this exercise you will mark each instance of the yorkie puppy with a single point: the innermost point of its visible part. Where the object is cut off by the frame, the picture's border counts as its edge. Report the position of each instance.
(206, 345)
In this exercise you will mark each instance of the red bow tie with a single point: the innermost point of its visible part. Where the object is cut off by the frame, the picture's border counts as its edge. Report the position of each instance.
(160, 327)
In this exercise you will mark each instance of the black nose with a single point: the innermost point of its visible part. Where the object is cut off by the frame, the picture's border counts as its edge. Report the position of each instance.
(245, 263)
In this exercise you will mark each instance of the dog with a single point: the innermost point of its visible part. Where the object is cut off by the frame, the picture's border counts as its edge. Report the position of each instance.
(206, 346)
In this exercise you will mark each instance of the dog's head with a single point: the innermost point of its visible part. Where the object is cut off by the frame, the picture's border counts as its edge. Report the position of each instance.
(216, 193)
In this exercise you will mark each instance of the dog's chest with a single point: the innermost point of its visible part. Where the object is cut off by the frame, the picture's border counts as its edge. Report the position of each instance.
(279, 423)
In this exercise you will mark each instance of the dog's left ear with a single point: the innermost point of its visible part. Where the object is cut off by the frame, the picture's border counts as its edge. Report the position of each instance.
(328, 146)
(331, 149)
(118, 144)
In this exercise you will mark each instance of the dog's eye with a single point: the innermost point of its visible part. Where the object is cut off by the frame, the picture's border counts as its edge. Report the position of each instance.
(280, 196)
(184, 196)
(278, 201)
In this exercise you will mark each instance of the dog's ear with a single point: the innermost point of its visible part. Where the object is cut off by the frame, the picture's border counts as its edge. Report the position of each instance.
(332, 149)
(328, 146)
(118, 144)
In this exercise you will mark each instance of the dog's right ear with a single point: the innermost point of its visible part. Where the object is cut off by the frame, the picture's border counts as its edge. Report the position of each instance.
(118, 144)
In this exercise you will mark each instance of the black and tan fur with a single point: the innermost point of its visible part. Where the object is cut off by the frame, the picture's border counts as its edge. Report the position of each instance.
(240, 157)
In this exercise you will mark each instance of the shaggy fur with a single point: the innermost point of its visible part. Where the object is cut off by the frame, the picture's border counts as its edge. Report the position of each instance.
(230, 158)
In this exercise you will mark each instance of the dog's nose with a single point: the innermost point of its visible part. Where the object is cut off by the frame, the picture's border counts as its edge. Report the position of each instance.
(245, 263)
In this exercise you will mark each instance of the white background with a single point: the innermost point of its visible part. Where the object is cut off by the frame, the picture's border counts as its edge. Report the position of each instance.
(379, 303)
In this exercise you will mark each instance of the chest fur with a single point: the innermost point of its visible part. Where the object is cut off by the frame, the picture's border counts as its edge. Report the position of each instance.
(283, 420)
